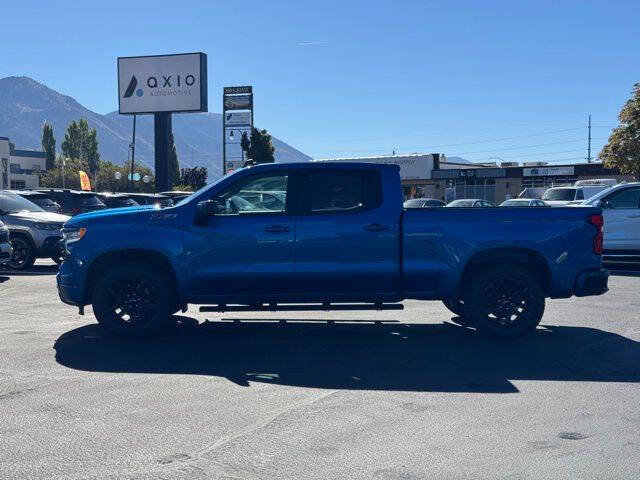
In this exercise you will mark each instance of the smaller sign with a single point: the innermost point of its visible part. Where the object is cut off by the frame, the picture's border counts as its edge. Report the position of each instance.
(467, 173)
(233, 90)
(238, 102)
(547, 171)
(136, 177)
(237, 119)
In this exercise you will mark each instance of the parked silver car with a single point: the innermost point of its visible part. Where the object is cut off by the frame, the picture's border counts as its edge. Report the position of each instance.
(33, 232)
(5, 246)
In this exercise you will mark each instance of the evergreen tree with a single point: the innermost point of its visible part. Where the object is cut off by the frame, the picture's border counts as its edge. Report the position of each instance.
(49, 145)
(72, 143)
(261, 147)
(174, 164)
(623, 149)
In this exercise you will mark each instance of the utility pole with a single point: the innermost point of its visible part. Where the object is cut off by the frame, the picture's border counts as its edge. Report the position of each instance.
(589, 143)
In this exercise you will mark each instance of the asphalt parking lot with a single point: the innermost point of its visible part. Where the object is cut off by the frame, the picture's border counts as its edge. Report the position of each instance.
(382, 395)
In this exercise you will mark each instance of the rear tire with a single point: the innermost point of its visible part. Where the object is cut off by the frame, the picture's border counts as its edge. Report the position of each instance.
(133, 300)
(504, 302)
(23, 254)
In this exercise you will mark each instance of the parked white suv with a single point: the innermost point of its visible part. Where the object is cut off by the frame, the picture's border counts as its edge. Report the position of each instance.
(621, 209)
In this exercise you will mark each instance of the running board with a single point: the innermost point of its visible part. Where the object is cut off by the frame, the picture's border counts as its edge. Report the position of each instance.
(275, 307)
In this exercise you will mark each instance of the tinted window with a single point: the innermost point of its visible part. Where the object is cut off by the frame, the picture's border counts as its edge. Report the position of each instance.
(627, 198)
(260, 194)
(580, 195)
(560, 194)
(12, 203)
(343, 191)
(89, 201)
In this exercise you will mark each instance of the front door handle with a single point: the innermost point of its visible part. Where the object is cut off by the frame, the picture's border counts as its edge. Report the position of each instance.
(277, 229)
(376, 227)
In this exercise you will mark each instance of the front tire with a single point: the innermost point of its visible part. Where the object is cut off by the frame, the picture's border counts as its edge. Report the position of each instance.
(132, 300)
(23, 254)
(504, 302)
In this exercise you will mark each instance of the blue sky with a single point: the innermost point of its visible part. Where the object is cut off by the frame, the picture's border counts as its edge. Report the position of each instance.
(483, 79)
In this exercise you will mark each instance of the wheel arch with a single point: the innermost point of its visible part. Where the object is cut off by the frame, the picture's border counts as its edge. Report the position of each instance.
(130, 255)
(527, 257)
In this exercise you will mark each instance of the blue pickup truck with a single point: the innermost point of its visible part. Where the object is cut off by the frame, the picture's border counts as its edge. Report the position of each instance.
(326, 236)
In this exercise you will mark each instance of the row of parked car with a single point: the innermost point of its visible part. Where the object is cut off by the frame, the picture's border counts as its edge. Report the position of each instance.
(473, 202)
(620, 204)
(31, 220)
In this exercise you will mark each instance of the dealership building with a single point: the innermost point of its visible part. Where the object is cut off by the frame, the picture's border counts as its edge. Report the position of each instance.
(20, 169)
(433, 176)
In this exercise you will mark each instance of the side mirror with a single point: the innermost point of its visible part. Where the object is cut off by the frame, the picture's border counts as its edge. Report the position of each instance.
(204, 210)
(602, 204)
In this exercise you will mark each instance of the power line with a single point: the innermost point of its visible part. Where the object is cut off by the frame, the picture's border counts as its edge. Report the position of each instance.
(523, 146)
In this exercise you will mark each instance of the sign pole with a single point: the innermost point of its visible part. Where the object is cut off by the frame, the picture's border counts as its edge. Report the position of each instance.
(224, 140)
(133, 151)
(162, 132)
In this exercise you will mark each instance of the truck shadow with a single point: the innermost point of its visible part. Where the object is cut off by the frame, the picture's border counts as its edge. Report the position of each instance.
(358, 356)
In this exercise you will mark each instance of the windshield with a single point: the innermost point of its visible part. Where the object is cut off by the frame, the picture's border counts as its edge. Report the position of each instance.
(560, 194)
(198, 192)
(461, 203)
(515, 203)
(89, 201)
(12, 203)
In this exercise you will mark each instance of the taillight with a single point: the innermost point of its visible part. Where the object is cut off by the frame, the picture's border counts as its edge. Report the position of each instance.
(598, 240)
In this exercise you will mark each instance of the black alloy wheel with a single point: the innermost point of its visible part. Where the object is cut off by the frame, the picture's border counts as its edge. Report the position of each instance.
(23, 256)
(504, 302)
(132, 300)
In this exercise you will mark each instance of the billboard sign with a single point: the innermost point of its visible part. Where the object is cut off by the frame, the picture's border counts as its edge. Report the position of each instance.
(547, 171)
(238, 102)
(237, 119)
(162, 83)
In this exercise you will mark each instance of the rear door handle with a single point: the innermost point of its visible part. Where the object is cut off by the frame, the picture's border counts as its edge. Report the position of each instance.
(277, 229)
(376, 227)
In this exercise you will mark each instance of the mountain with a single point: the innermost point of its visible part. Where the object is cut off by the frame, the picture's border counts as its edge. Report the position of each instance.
(25, 105)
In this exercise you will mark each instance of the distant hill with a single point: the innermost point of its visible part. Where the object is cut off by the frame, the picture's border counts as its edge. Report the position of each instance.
(25, 105)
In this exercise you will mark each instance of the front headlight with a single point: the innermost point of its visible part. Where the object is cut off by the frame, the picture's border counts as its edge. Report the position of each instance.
(70, 235)
(46, 226)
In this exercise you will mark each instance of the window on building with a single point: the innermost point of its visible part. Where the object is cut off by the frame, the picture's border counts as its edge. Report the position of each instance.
(18, 185)
(483, 188)
(15, 168)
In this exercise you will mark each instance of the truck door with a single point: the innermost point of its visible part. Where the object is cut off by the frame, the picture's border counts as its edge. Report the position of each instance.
(345, 234)
(247, 248)
(622, 219)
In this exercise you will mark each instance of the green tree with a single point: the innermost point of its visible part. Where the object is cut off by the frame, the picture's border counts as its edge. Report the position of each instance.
(72, 143)
(49, 145)
(623, 148)
(195, 178)
(245, 143)
(174, 164)
(260, 148)
(81, 142)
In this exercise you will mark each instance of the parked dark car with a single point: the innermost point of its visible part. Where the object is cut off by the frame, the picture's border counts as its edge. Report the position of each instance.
(423, 203)
(40, 199)
(74, 202)
(161, 201)
(117, 200)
